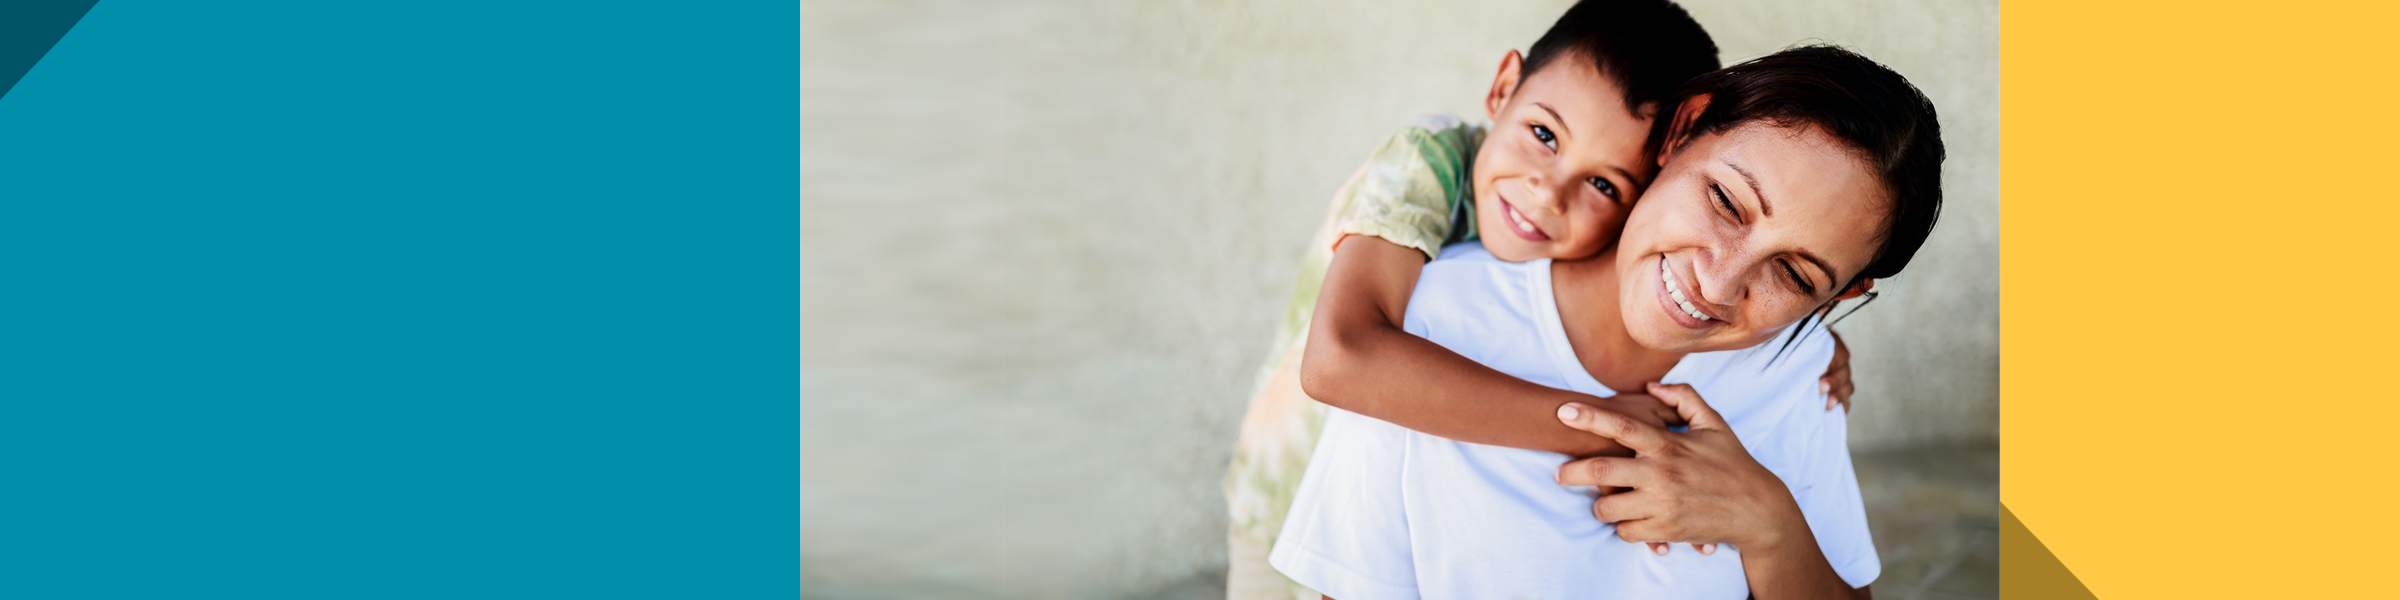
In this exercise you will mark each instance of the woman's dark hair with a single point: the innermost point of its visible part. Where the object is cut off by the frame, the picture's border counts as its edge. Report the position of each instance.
(1866, 106)
(1648, 47)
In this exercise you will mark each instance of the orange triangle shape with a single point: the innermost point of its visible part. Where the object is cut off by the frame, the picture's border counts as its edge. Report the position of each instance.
(2028, 569)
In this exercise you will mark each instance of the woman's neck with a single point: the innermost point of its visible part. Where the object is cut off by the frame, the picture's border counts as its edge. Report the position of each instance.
(1586, 293)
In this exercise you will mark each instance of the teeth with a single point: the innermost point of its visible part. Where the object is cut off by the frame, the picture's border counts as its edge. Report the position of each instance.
(1519, 220)
(1676, 292)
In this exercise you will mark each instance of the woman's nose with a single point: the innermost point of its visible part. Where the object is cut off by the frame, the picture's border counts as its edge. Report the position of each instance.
(1720, 281)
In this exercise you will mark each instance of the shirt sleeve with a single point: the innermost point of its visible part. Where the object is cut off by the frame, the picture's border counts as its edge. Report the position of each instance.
(1831, 502)
(1409, 192)
(1347, 534)
(1828, 492)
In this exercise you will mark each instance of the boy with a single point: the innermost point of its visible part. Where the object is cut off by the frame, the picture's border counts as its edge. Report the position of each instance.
(1567, 155)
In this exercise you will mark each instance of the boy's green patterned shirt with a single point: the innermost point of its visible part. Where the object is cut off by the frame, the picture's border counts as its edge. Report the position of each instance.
(1415, 192)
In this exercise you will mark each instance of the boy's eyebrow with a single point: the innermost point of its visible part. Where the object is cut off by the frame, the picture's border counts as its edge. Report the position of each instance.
(1763, 206)
(1638, 185)
(1562, 121)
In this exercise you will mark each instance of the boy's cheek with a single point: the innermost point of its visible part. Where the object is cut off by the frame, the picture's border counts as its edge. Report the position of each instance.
(1597, 235)
(1608, 232)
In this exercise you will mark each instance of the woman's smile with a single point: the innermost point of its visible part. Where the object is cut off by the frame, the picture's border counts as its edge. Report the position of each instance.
(1677, 302)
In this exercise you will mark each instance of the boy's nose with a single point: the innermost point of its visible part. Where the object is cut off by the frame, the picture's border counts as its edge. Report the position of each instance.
(1544, 196)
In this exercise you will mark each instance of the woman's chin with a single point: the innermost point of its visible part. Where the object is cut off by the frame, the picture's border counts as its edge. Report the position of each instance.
(1663, 336)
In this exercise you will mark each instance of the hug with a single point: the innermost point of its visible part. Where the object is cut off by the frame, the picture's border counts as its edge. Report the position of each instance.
(1611, 379)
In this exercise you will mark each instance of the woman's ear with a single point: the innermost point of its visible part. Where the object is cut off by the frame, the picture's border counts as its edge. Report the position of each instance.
(1504, 85)
(1860, 289)
(1681, 128)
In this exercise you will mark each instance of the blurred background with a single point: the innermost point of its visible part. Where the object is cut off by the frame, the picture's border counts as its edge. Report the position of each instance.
(1044, 244)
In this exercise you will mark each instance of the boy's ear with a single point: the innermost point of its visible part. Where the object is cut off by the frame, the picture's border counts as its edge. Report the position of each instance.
(1685, 114)
(1864, 286)
(1504, 85)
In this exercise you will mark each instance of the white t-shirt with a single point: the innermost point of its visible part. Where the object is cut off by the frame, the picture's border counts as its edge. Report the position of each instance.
(1388, 513)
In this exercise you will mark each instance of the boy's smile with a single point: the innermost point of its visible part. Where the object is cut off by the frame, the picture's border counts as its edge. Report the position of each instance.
(1563, 162)
(1519, 225)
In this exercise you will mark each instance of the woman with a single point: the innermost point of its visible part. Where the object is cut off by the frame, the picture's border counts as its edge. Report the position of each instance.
(1790, 183)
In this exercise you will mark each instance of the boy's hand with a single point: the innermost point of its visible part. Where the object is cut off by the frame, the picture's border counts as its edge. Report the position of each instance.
(1835, 385)
(1644, 408)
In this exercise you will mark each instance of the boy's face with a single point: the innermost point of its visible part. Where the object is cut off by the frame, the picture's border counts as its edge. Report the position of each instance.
(1562, 165)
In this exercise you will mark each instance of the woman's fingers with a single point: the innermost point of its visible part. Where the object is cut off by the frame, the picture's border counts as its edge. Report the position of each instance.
(1605, 471)
(1695, 411)
(1660, 548)
(1645, 530)
(1628, 506)
(1641, 437)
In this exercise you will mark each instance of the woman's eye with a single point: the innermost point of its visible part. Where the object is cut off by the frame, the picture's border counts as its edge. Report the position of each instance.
(1606, 188)
(1543, 134)
(1798, 282)
(1724, 201)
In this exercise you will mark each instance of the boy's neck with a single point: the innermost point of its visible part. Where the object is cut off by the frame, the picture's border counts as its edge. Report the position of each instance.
(1586, 294)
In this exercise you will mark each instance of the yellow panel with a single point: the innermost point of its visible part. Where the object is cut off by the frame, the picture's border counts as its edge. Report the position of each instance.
(2198, 246)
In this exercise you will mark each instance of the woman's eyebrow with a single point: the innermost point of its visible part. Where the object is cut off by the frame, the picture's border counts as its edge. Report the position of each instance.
(1763, 207)
(1562, 121)
(1822, 265)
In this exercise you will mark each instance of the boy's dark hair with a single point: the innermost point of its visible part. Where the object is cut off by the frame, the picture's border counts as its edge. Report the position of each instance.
(1866, 106)
(1648, 47)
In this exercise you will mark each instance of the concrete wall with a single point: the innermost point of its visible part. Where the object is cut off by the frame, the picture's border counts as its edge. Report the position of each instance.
(1044, 244)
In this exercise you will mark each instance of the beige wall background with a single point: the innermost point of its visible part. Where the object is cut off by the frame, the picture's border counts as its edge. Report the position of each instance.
(1044, 243)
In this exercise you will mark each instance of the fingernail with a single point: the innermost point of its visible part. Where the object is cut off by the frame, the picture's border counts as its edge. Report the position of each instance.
(1708, 549)
(1659, 550)
(1823, 388)
(1567, 412)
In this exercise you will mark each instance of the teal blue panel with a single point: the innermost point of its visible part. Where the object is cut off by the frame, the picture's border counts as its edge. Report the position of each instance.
(414, 299)
(27, 30)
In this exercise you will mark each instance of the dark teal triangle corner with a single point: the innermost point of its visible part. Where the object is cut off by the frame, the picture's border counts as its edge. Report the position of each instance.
(28, 28)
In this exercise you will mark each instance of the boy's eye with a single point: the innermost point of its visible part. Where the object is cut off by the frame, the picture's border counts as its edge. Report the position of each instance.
(1543, 134)
(1606, 188)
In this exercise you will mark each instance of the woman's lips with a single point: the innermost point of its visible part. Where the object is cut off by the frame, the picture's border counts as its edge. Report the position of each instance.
(1518, 224)
(1678, 306)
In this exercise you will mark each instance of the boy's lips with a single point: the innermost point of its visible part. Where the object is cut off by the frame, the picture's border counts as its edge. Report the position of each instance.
(1518, 224)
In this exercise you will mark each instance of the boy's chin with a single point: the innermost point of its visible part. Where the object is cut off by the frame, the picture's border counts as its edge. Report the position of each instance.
(1511, 250)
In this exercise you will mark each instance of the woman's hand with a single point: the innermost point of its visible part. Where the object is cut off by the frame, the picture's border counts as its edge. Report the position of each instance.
(1698, 486)
(1835, 385)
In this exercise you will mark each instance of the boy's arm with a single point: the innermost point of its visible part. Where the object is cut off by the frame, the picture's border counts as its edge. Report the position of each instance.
(1360, 360)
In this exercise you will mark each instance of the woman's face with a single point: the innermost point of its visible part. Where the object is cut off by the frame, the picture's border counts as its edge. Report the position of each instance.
(1743, 234)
